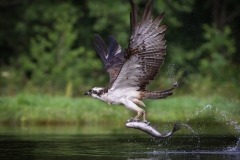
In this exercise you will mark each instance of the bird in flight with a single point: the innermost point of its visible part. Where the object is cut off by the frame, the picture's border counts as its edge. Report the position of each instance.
(132, 69)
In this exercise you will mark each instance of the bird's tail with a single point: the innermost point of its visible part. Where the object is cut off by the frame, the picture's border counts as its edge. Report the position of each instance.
(158, 94)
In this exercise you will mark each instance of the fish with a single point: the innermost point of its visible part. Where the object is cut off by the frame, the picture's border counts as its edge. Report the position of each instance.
(147, 128)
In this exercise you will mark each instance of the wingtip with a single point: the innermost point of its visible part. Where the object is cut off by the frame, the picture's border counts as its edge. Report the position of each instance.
(102, 47)
(96, 35)
(133, 4)
(99, 38)
(110, 37)
(152, 2)
(95, 45)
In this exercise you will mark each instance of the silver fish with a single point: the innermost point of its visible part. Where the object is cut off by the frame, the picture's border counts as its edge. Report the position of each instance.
(145, 127)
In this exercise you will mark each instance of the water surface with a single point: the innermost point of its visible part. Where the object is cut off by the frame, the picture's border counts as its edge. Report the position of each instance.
(69, 143)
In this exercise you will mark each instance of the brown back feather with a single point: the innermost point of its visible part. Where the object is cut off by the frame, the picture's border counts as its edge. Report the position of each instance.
(146, 43)
(144, 55)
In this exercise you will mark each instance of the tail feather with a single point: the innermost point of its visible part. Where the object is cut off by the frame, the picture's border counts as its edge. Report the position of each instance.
(156, 94)
(159, 94)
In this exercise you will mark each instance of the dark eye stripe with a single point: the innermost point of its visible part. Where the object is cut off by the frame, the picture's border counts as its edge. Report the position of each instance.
(92, 91)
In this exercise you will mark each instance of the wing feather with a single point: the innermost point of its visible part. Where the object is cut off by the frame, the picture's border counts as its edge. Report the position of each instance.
(102, 45)
(144, 55)
(112, 57)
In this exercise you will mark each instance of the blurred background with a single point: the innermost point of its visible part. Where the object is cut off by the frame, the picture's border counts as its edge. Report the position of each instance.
(47, 59)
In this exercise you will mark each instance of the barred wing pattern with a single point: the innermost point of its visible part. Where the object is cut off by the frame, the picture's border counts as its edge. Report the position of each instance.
(145, 52)
(112, 57)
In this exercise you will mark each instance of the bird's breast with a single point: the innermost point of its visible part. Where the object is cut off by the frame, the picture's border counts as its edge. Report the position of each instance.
(119, 97)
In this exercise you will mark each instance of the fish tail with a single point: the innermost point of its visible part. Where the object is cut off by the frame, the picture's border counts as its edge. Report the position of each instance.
(175, 127)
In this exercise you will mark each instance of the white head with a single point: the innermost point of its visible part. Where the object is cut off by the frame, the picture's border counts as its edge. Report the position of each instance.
(96, 92)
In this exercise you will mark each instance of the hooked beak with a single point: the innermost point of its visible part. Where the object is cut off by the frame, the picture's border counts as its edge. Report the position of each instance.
(87, 93)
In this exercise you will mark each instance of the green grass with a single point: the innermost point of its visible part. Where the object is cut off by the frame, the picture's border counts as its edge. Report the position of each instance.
(44, 110)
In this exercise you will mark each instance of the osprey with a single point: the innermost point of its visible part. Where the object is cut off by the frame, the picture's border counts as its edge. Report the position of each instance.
(132, 69)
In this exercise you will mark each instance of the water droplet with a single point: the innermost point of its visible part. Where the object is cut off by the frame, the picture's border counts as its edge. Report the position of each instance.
(207, 106)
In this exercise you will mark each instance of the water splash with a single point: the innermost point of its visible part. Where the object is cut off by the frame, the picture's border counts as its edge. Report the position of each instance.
(235, 149)
(229, 120)
(176, 73)
(189, 128)
(235, 124)
(238, 145)
(225, 115)
(207, 106)
(194, 133)
(172, 71)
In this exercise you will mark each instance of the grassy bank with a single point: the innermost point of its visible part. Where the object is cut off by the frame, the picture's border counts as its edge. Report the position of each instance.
(44, 110)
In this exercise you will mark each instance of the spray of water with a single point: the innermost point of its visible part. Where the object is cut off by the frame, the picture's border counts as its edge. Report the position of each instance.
(176, 73)
(238, 145)
(229, 121)
(194, 133)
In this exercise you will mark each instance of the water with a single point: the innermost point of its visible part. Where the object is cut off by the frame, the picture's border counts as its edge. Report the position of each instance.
(194, 141)
(73, 143)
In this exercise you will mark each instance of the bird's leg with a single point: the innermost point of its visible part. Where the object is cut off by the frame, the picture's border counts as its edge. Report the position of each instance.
(133, 120)
(142, 112)
(138, 115)
(144, 118)
(130, 105)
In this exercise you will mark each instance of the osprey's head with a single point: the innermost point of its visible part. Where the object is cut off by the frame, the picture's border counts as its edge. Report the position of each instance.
(95, 92)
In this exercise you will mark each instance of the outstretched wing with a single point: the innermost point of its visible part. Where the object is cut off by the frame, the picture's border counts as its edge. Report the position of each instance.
(145, 52)
(112, 57)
